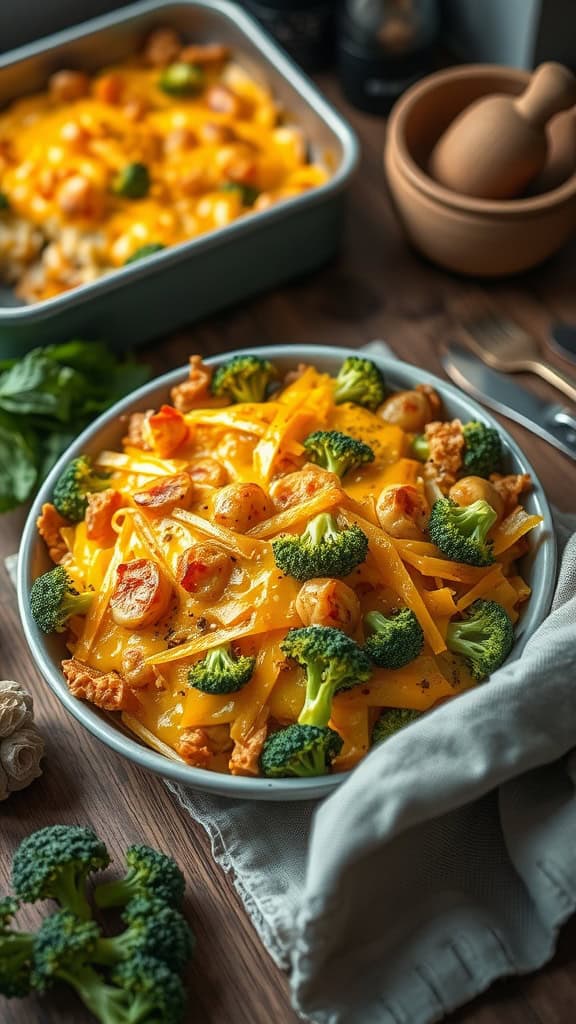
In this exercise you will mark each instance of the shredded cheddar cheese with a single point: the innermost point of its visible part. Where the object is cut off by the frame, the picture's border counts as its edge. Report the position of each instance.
(179, 577)
(103, 169)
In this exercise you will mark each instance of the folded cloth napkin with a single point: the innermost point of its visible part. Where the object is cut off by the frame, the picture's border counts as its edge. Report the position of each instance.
(446, 860)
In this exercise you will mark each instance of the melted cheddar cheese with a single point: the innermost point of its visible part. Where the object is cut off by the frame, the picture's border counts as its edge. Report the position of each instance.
(217, 152)
(257, 448)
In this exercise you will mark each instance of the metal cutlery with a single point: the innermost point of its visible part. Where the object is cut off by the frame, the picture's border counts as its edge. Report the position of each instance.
(505, 345)
(548, 420)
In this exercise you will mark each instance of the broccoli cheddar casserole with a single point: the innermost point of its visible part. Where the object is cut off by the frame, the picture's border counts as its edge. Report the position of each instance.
(274, 573)
(104, 169)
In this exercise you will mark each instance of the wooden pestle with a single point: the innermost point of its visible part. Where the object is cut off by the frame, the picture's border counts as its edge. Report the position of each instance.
(498, 144)
(561, 160)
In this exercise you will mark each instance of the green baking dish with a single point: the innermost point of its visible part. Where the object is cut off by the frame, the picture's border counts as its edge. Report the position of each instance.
(185, 283)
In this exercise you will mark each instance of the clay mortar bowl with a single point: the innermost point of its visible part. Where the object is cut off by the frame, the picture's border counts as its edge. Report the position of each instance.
(484, 237)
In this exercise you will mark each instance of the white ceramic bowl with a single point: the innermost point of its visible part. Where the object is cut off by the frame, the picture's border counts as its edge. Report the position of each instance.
(106, 432)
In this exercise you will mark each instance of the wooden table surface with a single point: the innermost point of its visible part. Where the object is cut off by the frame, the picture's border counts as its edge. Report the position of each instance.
(376, 287)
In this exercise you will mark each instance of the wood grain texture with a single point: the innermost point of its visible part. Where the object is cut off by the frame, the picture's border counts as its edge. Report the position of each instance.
(376, 287)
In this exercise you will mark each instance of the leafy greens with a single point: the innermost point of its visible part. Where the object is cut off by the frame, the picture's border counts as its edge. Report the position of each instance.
(46, 398)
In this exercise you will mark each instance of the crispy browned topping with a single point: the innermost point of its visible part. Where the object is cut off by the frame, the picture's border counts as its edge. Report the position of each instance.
(101, 508)
(196, 389)
(209, 53)
(194, 747)
(107, 690)
(245, 759)
(162, 47)
(136, 436)
(446, 442)
(49, 524)
(510, 488)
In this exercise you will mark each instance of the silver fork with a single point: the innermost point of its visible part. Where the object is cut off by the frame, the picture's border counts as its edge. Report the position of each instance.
(505, 345)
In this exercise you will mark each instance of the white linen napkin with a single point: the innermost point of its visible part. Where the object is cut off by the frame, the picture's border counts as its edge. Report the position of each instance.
(446, 860)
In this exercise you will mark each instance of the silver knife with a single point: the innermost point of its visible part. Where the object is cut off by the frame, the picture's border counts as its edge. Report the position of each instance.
(549, 420)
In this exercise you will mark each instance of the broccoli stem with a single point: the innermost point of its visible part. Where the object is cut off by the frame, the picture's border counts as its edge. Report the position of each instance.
(106, 1003)
(116, 893)
(69, 891)
(318, 703)
(76, 604)
(15, 950)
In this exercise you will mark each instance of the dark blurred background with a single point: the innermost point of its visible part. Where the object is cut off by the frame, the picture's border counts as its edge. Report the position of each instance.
(378, 47)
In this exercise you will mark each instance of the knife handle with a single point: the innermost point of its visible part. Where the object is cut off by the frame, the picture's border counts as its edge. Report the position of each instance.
(555, 377)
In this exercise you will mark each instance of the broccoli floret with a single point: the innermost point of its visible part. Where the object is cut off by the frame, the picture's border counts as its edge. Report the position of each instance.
(395, 641)
(243, 379)
(150, 873)
(63, 946)
(143, 252)
(482, 454)
(390, 721)
(461, 532)
(482, 449)
(221, 672)
(132, 182)
(75, 484)
(181, 79)
(333, 662)
(54, 862)
(360, 381)
(151, 992)
(154, 929)
(300, 750)
(484, 637)
(144, 989)
(248, 194)
(337, 452)
(53, 600)
(322, 550)
(15, 954)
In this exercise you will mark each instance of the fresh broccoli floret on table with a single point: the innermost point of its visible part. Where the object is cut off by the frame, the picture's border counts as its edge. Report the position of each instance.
(361, 382)
(150, 873)
(53, 600)
(461, 532)
(337, 452)
(322, 550)
(143, 991)
(391, 720)
(221, 671)
(78, 480)
(54, 863)
(15, 954)
(243, 379)
(149, 992)
(154, 928)
(483, 636)
(393, 641)
(63, 946)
